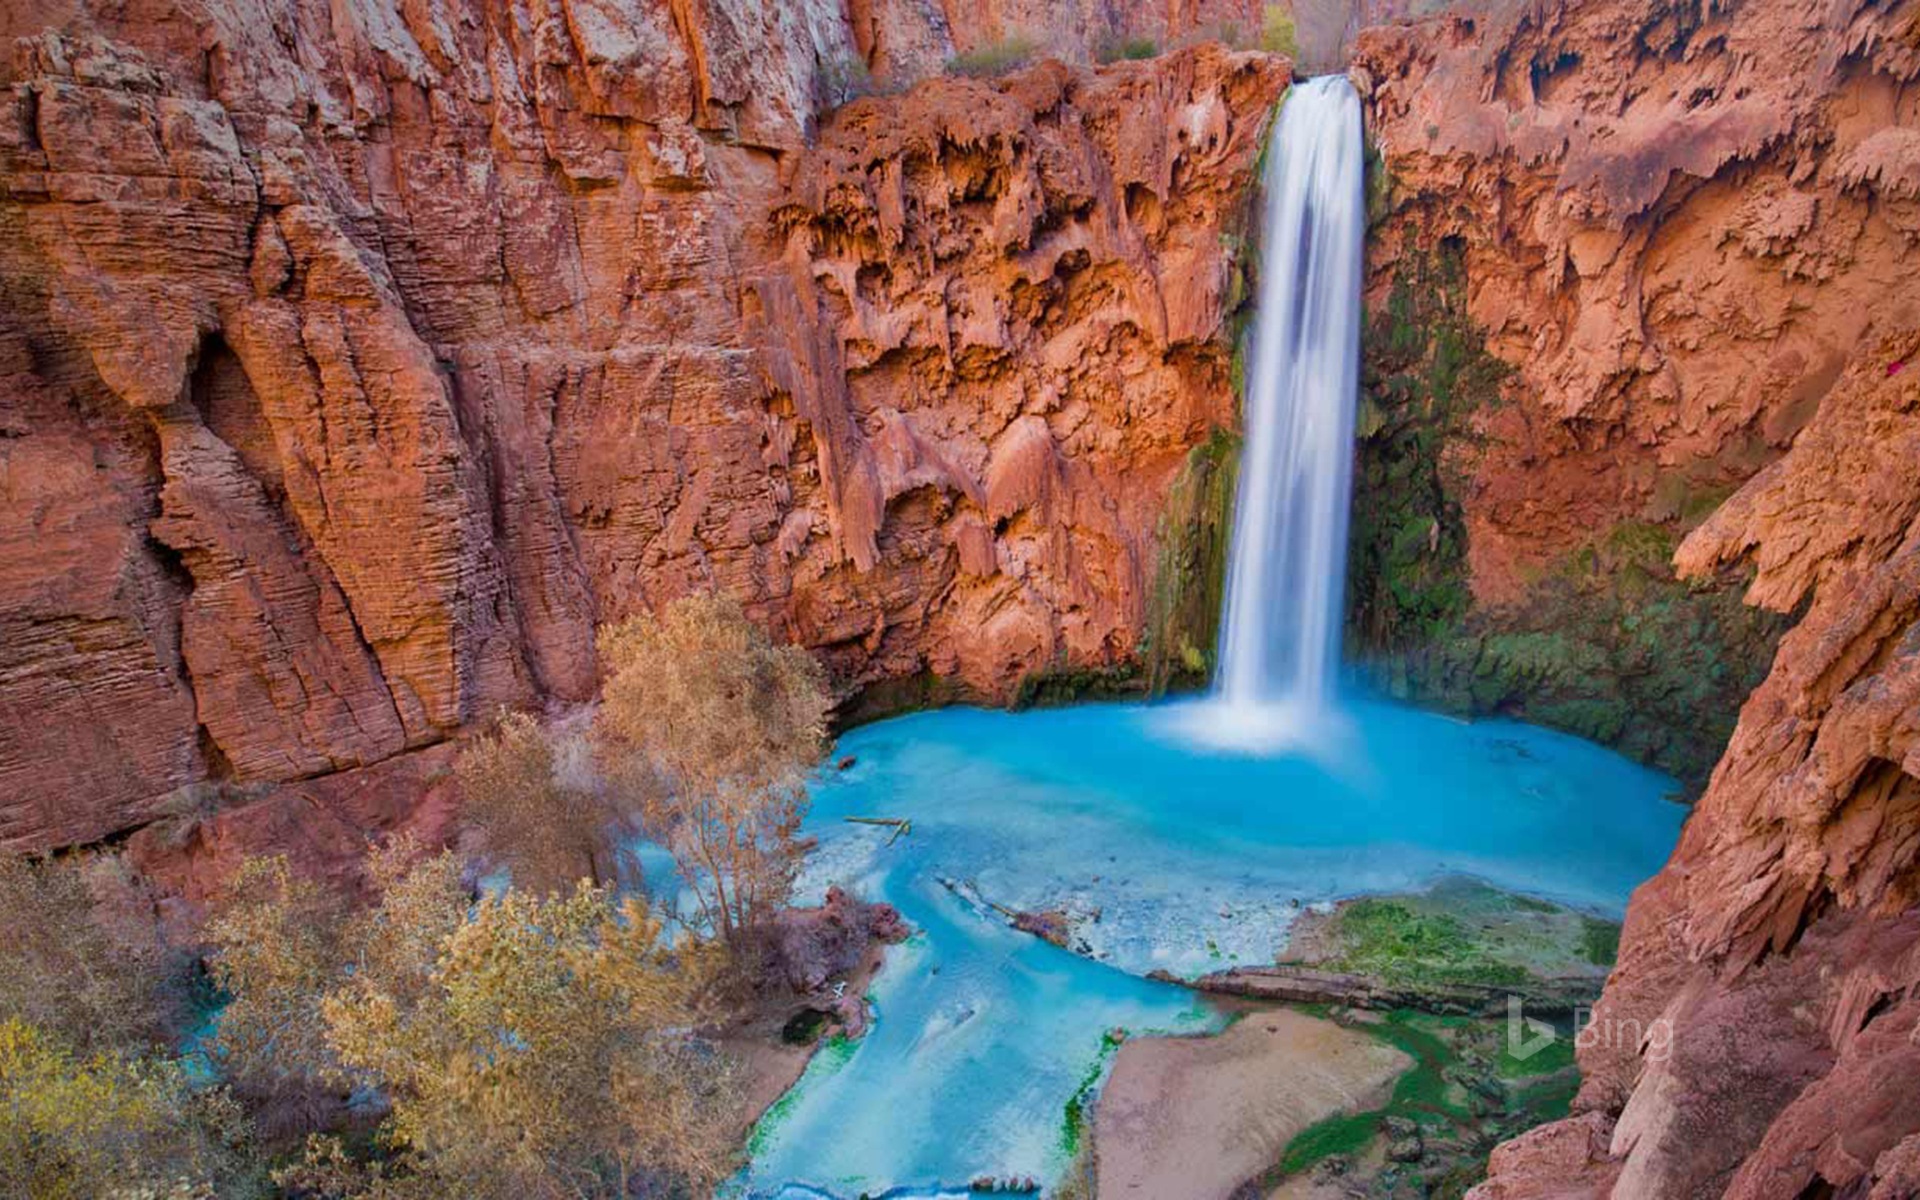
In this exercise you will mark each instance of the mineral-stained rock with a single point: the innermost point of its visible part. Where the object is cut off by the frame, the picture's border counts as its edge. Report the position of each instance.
(804, 948)
(324, 825)
(1675, 224)
(1683, 229)
(1758, 1037)
(360, 360)
(1669, 229)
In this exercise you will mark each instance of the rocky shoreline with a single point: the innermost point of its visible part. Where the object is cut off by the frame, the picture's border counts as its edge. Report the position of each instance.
(1289, 984)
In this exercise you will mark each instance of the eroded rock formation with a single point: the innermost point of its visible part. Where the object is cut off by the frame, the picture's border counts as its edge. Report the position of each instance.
(1683, 231)
(1668, 229)
(360, 359)
(1760, 1036)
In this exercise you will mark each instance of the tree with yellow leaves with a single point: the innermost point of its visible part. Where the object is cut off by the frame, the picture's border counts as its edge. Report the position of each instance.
(109, 1124)
(707, 729)
(531, 1047)
(276, 946)
(84, 959)
(544, 1054)
(550, 832)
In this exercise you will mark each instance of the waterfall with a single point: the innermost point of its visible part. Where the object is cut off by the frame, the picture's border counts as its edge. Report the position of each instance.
(1280, 638)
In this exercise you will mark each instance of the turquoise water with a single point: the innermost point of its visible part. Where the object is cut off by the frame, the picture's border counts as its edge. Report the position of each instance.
(1169, 856)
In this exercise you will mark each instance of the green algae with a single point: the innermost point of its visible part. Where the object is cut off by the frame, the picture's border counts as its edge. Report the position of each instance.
(1608, 644)
(1078, 1111)
(1600, 940)
(1405, 947)
(1458, 932)
(1053, 686)
(831, 1055)
(1422, 1094)
(1189, 580)
(1464, 1091)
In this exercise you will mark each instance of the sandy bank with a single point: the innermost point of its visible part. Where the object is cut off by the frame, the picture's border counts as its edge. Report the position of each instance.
(1193, 1118)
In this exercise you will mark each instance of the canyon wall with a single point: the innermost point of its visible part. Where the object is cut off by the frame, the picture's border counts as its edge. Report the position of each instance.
(361, 359)
(1620, 252)
(1645, 341)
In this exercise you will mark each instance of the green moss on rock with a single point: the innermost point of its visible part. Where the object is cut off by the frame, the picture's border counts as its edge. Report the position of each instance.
(1189, 579)
(897, 697)
(1055, 686)
(1425, 371)
(1609, 645)
(1409, 943)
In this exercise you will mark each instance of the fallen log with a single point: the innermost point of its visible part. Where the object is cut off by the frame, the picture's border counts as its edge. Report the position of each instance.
(900, 825)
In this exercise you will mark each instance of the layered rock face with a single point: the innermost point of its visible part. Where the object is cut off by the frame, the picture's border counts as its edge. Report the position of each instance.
(1674, 242)
(1760, 1036)
(360, 360)
(1620, 253)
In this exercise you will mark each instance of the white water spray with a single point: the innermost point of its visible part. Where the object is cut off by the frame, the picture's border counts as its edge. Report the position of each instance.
(1280, 638)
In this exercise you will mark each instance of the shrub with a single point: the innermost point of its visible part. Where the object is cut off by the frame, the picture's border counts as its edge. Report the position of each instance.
(995, 58)
(549, 832)
(275, 944)
(708, 730)
(85, 961)
(78, 1127)
(530, 1047)
(1277, 33)
(1114, 47)
(844, 78)
(538, 1056)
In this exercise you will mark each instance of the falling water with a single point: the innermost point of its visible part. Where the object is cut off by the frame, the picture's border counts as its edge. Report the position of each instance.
(1279, 646)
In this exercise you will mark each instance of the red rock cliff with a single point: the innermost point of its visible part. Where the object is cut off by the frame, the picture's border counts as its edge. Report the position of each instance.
(359, 359)
(1672, 227)
(1688, 230)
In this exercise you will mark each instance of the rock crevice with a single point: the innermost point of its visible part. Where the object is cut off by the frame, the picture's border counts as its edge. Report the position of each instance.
(362, 360)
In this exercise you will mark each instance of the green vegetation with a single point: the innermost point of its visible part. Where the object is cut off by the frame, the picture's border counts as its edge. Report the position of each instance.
(1426, 372)
(1189, 580)
(1609, 645)
(1009, 53)
(1600, 940)
(1342, 1133)
(844, 78)
(1458, 933)
(1393, 942)
(834, 1053)
(893, 697)
(1277, 33)
(1115, 47)
(1422, 1095)
(1070, 685)
(1550, 1059)
(1463, 1094)
(1079, 1106)
(1379, 186)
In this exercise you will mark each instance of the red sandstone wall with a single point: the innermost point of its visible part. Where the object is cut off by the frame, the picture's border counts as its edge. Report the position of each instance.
(1680, 224)
(359, 360)
(1691, 230)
